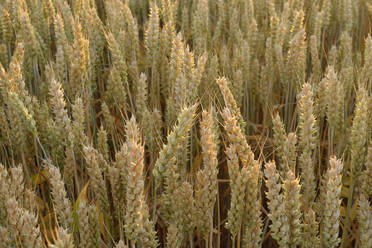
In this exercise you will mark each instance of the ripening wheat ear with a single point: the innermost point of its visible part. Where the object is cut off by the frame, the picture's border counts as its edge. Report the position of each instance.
(230, 101)
(120, 244)
(58, 106)
(5, 237)
(315, 61)
(152, 34)
(307, 142)
(62, 204)
(152, 42)
(175, 88)
(238, 184)
(64, 240)
(184, 213)
(279, 137)
(329, 226)
(366, 177)
(358, 136)
(78, 126)
(365, 221)
(285, 146)
(206, 187)
(4, 191)
(335, 101)
(293, 204)
(366, 72)
(200, 26)
(253, 222)
(277, 215)
(85, 229)
(16, 183)
(177, 136)
(23, 225)
(138, 227)
(95, 168)
(310, 230)
(237, 138)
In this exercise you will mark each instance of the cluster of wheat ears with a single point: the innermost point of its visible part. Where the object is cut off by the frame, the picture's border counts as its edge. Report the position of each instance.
(185, 123)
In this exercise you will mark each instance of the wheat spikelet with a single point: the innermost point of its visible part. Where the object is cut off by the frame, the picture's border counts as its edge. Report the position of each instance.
(120, 244)
(65, 239)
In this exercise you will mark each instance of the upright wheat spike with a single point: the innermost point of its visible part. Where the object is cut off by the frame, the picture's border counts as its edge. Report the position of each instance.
(4, 192)
(335, 101)
(279, 220)
(279, 138)
(84, 227)
(238, 184)
(62, 204)
(292, 203)
(174, 236)
(95, 169)
(177, 136)
(365, 221)
(185, 208)
(329, 228)
(206, 188)
(307, 142)
(358, 136)
(58, 105)
(310, 230)
(237, 137)
(253, 222)
(230, 101)
(367, 174)
(138, 227)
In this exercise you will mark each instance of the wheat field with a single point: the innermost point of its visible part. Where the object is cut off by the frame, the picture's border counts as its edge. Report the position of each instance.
(185, 123)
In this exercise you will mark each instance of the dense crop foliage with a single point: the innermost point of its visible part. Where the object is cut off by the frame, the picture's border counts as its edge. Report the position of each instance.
(185, 123)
